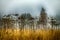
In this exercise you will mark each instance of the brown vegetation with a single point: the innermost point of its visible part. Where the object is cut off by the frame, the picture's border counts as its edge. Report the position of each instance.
(10, 34)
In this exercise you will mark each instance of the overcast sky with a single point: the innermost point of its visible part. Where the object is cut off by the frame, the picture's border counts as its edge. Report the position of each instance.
(29, 6)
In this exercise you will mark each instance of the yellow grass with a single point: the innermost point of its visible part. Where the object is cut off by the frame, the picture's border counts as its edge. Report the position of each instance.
(10, 34)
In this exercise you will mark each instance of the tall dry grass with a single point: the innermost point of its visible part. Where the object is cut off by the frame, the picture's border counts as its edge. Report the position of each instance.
(10, 34)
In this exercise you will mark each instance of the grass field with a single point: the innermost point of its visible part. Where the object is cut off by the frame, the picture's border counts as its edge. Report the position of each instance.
(10, 34)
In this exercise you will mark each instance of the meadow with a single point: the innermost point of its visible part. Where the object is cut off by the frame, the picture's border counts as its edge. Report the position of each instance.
(27, 34)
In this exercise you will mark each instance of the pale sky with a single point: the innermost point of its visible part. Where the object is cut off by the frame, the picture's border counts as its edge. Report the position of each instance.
(29, 6)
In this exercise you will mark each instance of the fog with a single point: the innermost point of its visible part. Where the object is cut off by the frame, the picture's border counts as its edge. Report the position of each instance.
(52, 7)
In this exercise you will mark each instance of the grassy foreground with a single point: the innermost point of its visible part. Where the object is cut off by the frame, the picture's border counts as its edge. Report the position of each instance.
(10, 34)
